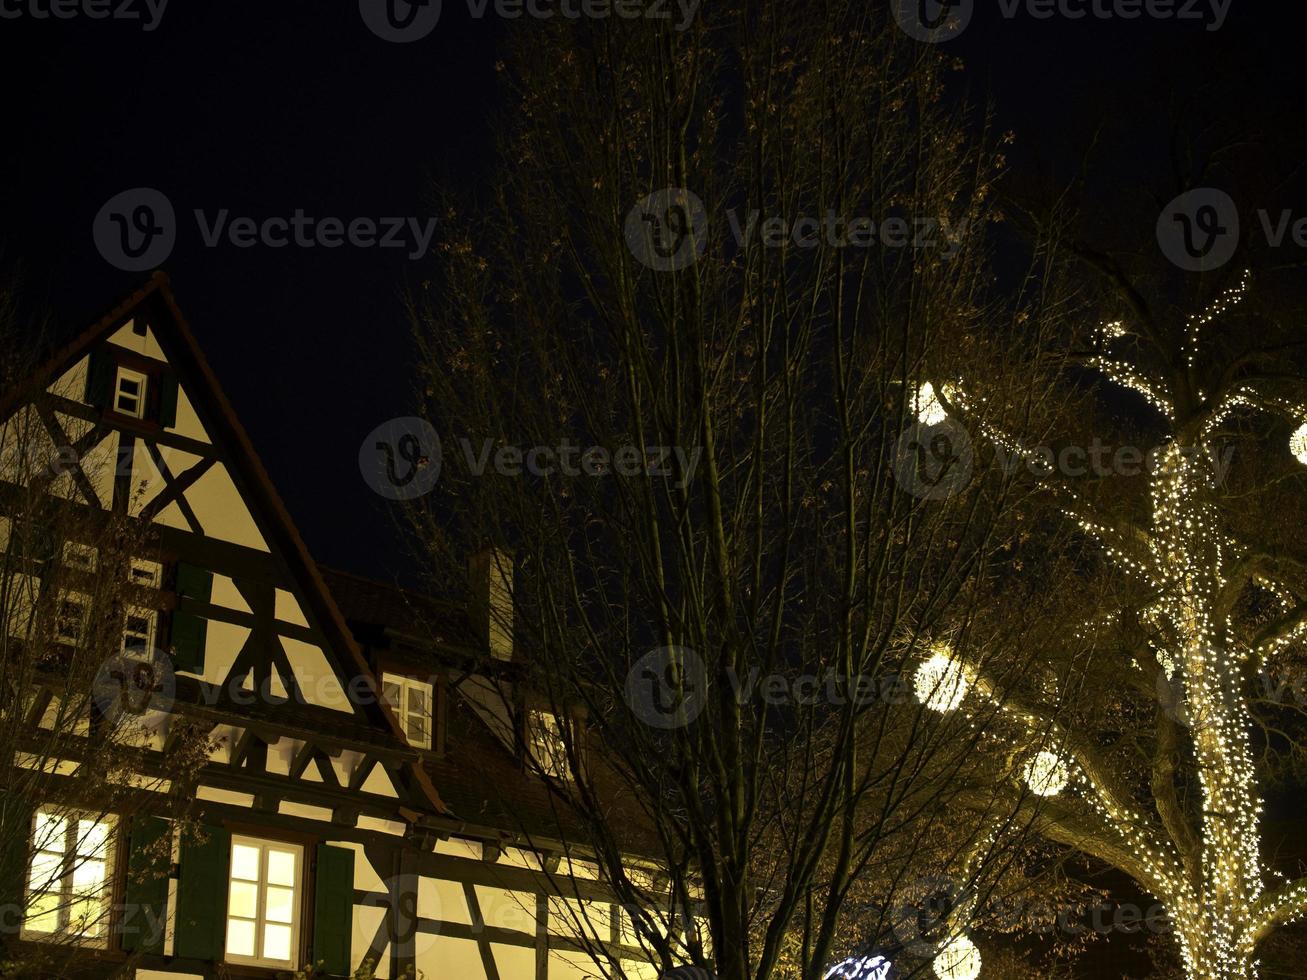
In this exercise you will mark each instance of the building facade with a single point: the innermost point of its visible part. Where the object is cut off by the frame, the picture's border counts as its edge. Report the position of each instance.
(365, 800)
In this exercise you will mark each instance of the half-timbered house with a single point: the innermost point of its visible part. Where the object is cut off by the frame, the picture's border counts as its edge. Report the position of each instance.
(357, 805)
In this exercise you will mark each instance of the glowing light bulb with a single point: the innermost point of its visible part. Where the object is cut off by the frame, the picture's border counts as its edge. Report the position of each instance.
(941, 682)
(958, 960)
(927, 406)
(1046, 774)
(1298, 443)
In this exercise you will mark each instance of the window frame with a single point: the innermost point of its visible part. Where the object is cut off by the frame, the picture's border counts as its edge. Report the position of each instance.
(71, 597)
(407, 685)
(548, 766)
(109, 885)
(123, 372)
(299, 894)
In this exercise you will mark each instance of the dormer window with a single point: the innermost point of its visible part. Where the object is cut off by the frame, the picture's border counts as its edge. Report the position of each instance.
(546, 745)
(129, 393)
(411, 701)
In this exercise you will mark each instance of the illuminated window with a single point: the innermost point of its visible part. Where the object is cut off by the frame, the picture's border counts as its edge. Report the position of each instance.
(129, 393)
(263, 902)
(69, 879)
(411, 701)
(546, 745)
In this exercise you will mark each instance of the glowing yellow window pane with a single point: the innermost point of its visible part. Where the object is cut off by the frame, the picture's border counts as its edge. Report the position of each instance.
(92, 838)
(240, 937)
(279, 905)
(281, 868)
(245, 862)
(45, 872)
(43, 911)
(243, 900)
(48, 834)
(276, 942)
(86, 916)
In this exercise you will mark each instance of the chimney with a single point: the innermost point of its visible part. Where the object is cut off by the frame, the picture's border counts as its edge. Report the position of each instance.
(490, 574)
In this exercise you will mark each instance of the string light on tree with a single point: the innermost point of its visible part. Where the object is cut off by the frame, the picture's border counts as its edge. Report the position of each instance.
(958, 960)
(927, 406)
(941, 682)
(1298, 444)
(1046, 774)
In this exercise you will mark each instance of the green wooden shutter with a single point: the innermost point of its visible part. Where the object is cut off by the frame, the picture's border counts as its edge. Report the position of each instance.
(194, 583)
(202, 896)
(168, 401)
(333, 909)
(99, 378)
(189, 637)
(16, 826)
(189, 631)
(145, 893)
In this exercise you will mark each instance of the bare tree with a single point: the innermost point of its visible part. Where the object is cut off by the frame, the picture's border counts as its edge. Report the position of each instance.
(677, 370)
(81, 732)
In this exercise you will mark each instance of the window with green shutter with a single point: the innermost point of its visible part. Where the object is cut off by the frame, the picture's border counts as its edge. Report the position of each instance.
(194, 582)
(202, 876)
(168, 401)
(333, 909)
(189, 636)
(99, 378)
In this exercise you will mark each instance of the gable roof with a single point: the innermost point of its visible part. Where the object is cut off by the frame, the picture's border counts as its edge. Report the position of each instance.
(156, 297)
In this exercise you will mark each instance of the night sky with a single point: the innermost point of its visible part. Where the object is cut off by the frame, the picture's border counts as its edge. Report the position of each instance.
(266, 107)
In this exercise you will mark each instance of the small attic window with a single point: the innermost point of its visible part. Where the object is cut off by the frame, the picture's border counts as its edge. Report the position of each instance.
(411, 700)
(547, 745)
(129, 393)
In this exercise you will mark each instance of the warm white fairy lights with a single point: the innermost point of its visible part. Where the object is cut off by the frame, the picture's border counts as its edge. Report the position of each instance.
(941, 682)
(1221, 897)
(1298, 444)
(958, 960)
(927, 406)
(1046, 774)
